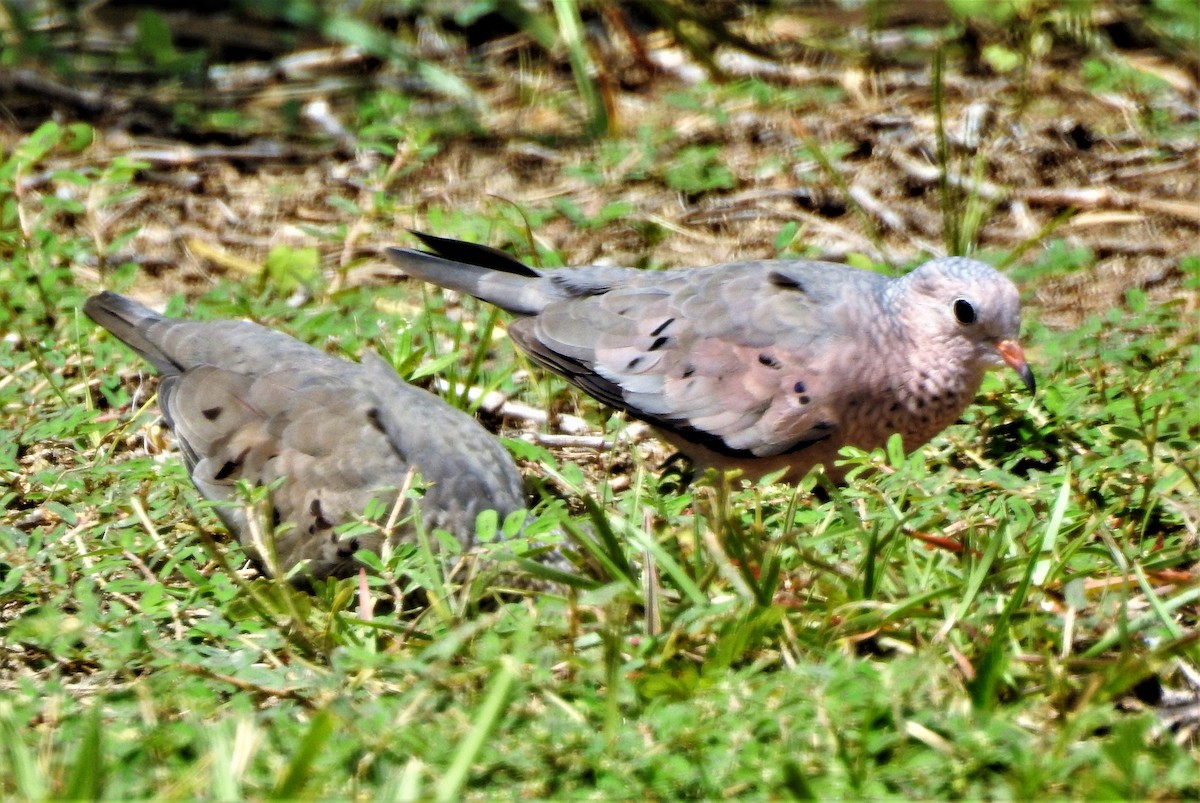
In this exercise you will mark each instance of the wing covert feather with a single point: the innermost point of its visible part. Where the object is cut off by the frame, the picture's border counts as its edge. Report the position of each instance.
(719, 353)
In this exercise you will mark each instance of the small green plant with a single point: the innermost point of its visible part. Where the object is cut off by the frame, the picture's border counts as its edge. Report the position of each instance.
(698, 169)
(155, 47)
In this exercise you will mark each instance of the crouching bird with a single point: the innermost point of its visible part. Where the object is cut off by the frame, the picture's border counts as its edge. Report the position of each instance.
(760, 365)
(249, 403)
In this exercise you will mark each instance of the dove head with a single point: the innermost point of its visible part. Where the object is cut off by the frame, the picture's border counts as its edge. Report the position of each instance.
(970, 310)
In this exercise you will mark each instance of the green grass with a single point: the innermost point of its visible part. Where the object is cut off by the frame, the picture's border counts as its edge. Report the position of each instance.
(966, 621)
(804, 641)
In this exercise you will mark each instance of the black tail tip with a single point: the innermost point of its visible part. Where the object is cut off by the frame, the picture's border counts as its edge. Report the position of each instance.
(481, 256)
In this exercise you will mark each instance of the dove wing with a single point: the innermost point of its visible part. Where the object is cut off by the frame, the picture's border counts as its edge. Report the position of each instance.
(248, 403)
(339, 439)
(316, 430)
(736, 358)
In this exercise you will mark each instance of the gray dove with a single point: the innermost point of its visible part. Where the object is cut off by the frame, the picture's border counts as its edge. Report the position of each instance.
(760, 365)
(249, 403)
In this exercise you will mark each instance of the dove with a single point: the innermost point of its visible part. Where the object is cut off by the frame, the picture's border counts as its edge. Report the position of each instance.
(249, 403)
(763, 365)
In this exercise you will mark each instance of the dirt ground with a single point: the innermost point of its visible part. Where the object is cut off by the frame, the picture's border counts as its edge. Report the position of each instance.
(1032, 149)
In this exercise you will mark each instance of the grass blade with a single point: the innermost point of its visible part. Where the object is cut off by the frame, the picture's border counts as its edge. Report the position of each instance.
(1050, 536)
(488, 716)
(570, 27)
(26, 777)
(995, 659)
(86, 779)
(295, 777)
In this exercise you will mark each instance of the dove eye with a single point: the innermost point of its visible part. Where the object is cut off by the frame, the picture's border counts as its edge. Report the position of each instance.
(964, 313)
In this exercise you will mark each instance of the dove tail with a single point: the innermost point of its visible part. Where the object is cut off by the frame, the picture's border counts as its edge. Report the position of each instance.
(483, 256)
(128, 321)
(486, 273)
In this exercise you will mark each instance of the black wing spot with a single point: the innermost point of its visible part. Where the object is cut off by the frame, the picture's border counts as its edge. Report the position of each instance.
(798, 387)
(319, 520)
(633, 363)
(226, 470)
(659, 343)
(662, 327)
(212, 413)
(687, 372)
(232, 465)
(785, 282)
(375, 420)
(769, 361)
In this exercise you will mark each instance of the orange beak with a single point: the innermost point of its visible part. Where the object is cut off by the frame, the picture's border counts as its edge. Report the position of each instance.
(1012, 353)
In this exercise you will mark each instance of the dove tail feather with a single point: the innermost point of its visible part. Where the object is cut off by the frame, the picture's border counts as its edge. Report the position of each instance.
(483, 256)
(483, 272)
(128, 320)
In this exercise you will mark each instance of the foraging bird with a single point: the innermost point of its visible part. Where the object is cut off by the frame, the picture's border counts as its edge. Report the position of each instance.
(249, 403)
(760, 365)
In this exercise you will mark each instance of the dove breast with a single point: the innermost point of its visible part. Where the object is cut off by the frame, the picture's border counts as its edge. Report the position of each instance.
(252, 404)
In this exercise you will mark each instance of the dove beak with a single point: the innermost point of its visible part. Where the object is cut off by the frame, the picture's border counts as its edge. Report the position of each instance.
(1012, 353)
